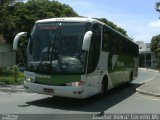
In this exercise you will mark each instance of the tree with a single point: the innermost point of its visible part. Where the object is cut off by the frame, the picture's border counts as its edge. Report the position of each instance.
(155, 42)
(2, 4)
(158, 6)
(22, 16)
(155, 47)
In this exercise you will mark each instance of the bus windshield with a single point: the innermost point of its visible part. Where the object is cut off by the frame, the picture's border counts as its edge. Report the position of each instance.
(57, 48)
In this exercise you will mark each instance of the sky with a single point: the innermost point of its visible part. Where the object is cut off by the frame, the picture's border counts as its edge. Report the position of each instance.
(138, 17)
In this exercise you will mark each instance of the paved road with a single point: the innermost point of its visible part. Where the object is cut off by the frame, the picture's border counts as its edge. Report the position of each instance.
(145, 75)
(121, 100)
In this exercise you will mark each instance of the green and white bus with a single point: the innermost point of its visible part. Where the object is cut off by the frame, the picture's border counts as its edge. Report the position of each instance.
(77, 57)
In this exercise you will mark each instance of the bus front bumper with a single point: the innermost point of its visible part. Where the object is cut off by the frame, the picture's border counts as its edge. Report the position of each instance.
(62, 91)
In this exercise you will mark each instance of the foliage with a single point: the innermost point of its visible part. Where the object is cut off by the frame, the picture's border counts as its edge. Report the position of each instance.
(155, 47)
(2, 20)
(2, 2)
(157, 6)
(4, 71)
(22, 16)
(155, 42)
(11, 80)
(8, 75)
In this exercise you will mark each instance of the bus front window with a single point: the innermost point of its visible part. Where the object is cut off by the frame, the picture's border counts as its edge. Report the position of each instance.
(57, 47)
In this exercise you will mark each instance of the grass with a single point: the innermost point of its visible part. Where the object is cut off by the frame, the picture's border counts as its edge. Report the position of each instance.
(10, 79)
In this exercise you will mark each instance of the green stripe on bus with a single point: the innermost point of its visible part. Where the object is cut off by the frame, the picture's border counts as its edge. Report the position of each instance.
(58, 79)
(120, 73)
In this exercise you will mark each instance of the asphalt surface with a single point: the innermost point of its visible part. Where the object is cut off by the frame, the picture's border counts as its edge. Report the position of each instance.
(150, 82)
(123, 100)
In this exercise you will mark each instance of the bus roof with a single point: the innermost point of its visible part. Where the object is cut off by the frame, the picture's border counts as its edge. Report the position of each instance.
(70, 19)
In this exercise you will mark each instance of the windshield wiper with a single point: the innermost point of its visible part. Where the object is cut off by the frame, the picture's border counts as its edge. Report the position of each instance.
(57, 57)
(55, 51)
(44, 56)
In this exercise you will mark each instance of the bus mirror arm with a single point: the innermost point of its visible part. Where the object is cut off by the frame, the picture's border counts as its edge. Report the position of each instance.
(16, 39)
(87, 40)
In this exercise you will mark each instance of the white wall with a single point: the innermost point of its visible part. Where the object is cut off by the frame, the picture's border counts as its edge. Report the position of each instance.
(143, 46)
(7, 57)
(5, 47)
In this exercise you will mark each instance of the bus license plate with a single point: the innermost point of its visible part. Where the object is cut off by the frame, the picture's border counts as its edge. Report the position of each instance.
(48, 90)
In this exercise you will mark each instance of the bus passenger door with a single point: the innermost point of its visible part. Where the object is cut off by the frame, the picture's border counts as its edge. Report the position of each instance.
(93, 71)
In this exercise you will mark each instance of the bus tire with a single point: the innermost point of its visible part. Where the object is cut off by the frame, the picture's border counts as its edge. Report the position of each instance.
(104, 87)
(131, 76)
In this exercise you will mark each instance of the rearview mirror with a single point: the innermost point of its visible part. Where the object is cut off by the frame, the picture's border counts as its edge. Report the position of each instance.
(87, 40)
(16, 39)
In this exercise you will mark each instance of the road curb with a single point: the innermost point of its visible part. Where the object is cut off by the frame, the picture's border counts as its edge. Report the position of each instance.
(147, 93)
(150, 70)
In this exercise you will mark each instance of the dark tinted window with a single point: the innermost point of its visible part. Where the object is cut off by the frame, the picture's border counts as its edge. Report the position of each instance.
(106, 39)
(94, 51)
(118, 44)
(115, 44)
(148, 56)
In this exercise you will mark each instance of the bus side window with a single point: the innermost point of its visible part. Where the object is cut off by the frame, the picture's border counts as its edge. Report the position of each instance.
(106, 40)
(95, 46)
(114, 44)
(121, 46)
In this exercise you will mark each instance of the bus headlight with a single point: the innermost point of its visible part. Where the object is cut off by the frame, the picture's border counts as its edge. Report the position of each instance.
(28, 79)
(75, 83)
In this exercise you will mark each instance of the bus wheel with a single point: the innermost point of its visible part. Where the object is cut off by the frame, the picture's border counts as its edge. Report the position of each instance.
(104, 86)
(131, 76)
